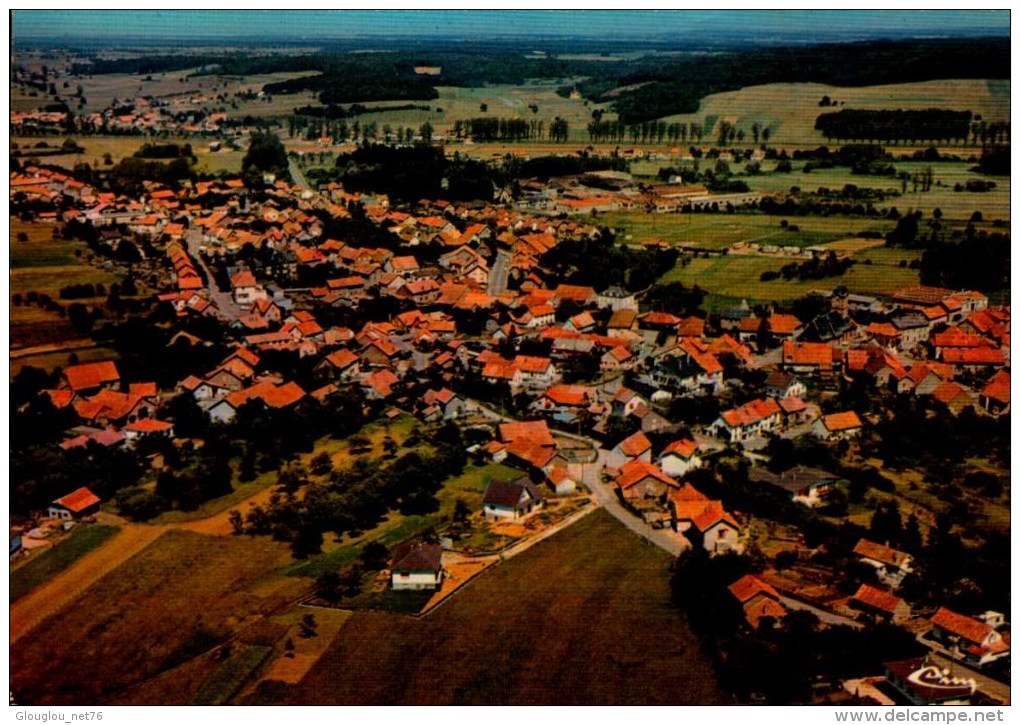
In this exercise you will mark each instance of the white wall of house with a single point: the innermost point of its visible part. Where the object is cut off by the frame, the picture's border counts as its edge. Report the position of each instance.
(57, 512)
(721, 538)
(677, 467)
(221, 413)
(416, 579)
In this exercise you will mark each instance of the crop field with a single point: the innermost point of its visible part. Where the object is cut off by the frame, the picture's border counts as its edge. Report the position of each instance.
(715, 231)
(45, 564)
(505, 638)
(790, 109)
(108, 640)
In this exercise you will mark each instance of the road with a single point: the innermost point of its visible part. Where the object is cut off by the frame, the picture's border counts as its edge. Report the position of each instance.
(499, 275)
(224, 301)
(299, 178)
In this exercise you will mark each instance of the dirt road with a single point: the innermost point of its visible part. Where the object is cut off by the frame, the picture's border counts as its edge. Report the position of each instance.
(52, 596)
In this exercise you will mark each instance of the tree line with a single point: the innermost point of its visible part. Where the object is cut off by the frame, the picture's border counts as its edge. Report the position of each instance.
(896, 126)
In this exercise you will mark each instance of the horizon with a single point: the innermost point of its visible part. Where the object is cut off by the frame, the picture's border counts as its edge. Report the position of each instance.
(706, 26)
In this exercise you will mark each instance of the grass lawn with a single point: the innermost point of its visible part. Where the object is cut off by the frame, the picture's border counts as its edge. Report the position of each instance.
(397, 527)
(45, 565)
(558, 624)
(171, 602)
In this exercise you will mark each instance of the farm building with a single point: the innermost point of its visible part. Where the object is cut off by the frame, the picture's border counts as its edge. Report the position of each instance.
(417, 566)
(75, 505)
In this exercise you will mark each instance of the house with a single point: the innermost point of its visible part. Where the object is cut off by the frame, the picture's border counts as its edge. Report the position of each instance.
(679, 458)
(780, 384)
(758, 599)
(838, 426)
(616, 358)
(704, 522)
(148, 428)
(923, 683)
(634, 447)
(617, 298)
(245, 289)
(994, 397)
(510, 500)
(807, 486)
(74, 506)
(892, 565)
(879, 605)
(976, 641)
(561, 481)
(342, 365)
(819, 358)
(417, 566)
(451, 404)
(271, 394)
(91, 377)
(640, 480)
(749, 420)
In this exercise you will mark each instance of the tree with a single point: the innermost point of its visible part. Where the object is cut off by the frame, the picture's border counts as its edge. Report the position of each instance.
(309, 627)
(236, 521)
(327, 586)
(374, 556)
(266, 154)
(426, 133)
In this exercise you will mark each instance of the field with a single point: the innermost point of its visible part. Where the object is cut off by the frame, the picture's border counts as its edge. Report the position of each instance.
(790, 109)
(508, 637)
(733, 278)
(42, 566)
(44, 265)
(203, 589)
(715, 231)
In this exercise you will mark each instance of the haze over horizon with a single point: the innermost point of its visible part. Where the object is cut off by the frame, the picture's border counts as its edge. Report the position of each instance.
(323, 25)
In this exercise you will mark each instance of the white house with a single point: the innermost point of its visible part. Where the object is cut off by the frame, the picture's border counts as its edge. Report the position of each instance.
(75, 505)
(680, 457)
(510, 500)
(417, 566)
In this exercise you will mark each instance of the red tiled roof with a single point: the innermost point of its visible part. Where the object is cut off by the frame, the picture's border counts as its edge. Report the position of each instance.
(91, 375)
(149, 425)
(970, 629)
(684, 448)
(748, 586)
(535, 430)
(998, 387)
(880, 553)
(842, 421)
(877, 598)
(750, 413)
(78, 500)
(637, 470)
(635, 444)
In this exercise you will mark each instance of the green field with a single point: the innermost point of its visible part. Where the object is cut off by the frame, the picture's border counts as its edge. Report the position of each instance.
(790, 109)
(559, 624)
(715, 231)
(45, 565)
(173, 601)
(733, 278)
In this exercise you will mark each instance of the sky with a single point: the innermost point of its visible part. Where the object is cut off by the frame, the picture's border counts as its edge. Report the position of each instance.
(294, 25)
